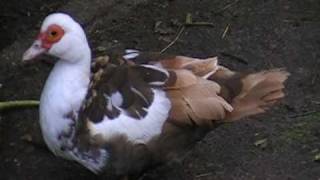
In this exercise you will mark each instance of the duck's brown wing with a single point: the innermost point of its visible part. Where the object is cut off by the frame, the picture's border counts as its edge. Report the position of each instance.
(201, 92)
(195, 100)
(124, 87)
(200, 88)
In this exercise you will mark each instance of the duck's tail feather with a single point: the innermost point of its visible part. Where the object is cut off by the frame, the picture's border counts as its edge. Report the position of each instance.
(251, 94)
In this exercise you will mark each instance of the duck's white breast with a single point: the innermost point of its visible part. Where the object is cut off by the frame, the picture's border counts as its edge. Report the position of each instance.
(136, 130)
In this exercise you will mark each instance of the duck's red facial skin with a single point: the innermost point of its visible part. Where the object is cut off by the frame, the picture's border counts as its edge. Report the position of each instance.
(52, 35)
(45, 40)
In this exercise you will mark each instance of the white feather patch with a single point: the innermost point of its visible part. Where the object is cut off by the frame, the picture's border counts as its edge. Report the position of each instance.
(116, 99)
(130, 54)
(93, 165)
(136, 130)
(128, 51)
(109, 103)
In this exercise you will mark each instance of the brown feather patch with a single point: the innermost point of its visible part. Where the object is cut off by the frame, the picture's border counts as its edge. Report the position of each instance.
(260, 91)
(134, 83)
(199, 67)
(195, 100)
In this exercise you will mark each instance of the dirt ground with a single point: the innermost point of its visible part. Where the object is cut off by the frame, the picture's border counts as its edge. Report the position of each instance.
(282, 144)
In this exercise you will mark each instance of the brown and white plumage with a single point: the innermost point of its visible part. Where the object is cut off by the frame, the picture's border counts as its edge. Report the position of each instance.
(137, 109)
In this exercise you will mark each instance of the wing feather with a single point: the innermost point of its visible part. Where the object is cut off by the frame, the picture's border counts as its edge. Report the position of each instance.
(195, 101)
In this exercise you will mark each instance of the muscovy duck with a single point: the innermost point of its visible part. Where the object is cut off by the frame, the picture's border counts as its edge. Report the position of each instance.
(123, 114)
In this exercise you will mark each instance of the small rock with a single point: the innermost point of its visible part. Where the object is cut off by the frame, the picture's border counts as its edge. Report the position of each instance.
(262, 143)
(17, 162)
(317, 157)
(157, 25)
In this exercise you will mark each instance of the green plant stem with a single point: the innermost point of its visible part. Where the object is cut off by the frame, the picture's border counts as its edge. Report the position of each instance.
(18, 104)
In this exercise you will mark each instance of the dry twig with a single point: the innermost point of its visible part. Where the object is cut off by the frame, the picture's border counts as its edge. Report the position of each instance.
(225, 31)
(204, 175)
(174, 41)
(188, 22)
(227, 7)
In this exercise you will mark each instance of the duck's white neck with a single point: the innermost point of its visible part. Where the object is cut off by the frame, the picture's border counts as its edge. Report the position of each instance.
(63, 94)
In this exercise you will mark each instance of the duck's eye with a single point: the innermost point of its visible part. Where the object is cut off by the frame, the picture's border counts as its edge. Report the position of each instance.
(54, 33)
(53, 36)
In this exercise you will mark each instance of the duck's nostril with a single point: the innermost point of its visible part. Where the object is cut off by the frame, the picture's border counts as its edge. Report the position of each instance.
(36, 45)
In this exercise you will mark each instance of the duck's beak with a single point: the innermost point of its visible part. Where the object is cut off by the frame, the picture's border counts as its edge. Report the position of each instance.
(34, 51)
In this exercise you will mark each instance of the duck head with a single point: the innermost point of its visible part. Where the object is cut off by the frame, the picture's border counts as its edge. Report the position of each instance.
(59, 36)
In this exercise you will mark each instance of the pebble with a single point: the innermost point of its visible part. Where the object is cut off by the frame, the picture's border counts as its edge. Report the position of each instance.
(17, 162)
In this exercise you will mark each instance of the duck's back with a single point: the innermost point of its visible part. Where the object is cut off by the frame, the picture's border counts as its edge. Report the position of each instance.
(154, 111)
